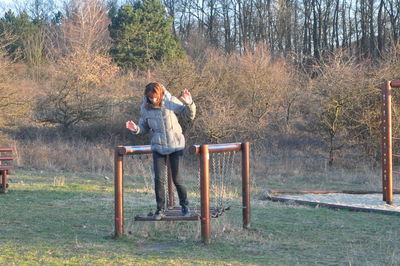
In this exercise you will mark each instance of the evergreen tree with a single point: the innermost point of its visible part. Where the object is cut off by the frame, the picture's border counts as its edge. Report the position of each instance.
(21, 27)
(143, 35)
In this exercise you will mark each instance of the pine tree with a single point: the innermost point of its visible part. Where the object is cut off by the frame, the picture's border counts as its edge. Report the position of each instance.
(143, 35)
(21, 27)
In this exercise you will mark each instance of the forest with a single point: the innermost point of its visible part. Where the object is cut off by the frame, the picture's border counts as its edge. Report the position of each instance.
(293, 77)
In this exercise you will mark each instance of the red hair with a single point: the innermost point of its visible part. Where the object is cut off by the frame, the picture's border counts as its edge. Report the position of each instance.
(154, 90)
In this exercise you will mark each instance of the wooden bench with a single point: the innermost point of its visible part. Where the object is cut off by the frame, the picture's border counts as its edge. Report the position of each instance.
(5, 168)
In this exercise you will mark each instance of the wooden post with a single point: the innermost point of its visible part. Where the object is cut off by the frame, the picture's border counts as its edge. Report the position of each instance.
(4, 182)
(383, 140)
(387, 160)
(5, 169)
(246, 183)
(205, 194)
(119, 194)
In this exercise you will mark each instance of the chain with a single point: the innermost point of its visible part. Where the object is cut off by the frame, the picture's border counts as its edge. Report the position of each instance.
(230, 174)
(213, 180)
(221, 176)
(166, 192)
(221, 181)
(148, 182)
(198, 187)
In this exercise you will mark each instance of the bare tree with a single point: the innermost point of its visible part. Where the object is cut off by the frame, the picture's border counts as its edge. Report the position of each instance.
(304, 27)
(392, 8)
(84, 26)
(341, 104)
(13, 101)
(79, 88)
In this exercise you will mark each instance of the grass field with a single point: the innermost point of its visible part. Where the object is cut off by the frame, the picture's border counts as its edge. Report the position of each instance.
(53, 218)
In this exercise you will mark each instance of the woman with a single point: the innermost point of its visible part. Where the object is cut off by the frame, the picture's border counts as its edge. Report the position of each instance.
(158, 116)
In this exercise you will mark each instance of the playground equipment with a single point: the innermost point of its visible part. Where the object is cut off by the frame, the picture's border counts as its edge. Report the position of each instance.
(387, 129)
(5, 168)
(173, 214)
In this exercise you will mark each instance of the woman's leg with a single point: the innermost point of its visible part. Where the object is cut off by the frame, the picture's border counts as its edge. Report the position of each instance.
(175, 161)
(159, 166)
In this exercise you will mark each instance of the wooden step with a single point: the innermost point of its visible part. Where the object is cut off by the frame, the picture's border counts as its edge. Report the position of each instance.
(175, 214)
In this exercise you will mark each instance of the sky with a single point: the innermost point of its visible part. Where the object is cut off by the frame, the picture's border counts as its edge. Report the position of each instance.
(6, 2)
(5, 5)
(11, 4)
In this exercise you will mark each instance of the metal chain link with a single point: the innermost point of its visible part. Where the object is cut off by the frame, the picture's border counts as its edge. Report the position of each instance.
(166, 193)
(198, 190)
(230, 174)
(148, 182)
(220, 181)
(140, 169)
(213, 178)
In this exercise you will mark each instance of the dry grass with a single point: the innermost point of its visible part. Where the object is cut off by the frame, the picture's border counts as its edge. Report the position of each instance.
(289, 169)
(62, 155)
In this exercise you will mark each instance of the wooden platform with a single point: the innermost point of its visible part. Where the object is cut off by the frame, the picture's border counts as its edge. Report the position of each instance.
(175, 214)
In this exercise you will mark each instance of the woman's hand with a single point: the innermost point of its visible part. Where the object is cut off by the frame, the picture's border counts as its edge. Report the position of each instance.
(186, 97)
(131, 126)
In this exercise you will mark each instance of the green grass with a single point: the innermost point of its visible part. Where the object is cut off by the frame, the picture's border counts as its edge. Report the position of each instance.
(65, 218)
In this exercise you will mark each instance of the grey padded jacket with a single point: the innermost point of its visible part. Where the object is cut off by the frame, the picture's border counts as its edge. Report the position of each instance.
(162, 123)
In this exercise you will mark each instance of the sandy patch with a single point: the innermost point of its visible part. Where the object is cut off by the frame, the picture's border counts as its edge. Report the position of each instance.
(363, 201)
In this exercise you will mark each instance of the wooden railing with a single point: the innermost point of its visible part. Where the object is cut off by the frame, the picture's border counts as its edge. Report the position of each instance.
(5, 167)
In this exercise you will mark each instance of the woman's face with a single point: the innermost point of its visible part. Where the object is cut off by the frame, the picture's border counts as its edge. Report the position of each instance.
(153, 100)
